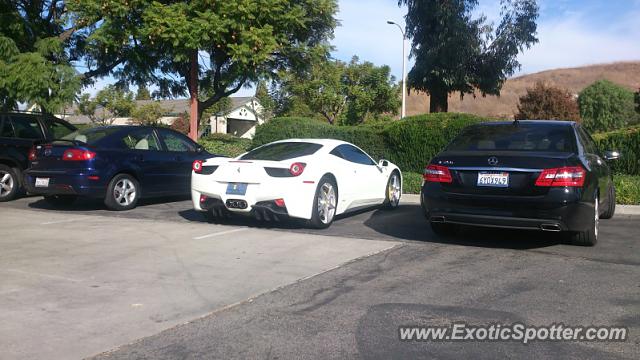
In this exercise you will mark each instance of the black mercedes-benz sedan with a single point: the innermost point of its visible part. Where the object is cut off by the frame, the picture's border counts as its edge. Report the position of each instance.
(538, 175)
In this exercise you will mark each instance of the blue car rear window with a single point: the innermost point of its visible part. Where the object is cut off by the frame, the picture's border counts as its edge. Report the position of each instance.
(90, 136)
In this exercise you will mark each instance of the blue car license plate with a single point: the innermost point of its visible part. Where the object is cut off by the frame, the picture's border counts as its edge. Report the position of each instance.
(493, 179)
(236, 188)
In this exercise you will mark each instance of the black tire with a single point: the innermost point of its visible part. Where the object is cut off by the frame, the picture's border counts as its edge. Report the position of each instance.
(60, 200)
(444, 229)
(115, 199)
(611, 206)
(388, 203)
(9, 183)
(316, 218)
(590, 236)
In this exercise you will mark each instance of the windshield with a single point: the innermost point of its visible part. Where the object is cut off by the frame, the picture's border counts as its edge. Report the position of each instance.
(90, 136)
(282, 151)
(510, 137)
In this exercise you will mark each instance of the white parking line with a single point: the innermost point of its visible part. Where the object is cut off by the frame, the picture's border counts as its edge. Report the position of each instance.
(48, 276)
(219, 233)
(60, 221)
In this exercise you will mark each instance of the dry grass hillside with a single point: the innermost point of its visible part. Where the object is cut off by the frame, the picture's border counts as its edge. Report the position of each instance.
(575, 79)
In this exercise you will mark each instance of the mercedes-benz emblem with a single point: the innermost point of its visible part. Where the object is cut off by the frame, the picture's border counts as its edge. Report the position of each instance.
(493, 161)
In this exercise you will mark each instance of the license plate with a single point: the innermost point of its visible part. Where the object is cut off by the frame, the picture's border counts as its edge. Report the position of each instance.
(42, 182)
(493, 179)
(236, 188)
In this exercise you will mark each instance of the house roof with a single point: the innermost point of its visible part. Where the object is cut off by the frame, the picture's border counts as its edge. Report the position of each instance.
(172, 107)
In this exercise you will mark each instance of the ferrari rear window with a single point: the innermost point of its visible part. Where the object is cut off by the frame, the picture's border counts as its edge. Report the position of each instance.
(523, 137)
(282, 151)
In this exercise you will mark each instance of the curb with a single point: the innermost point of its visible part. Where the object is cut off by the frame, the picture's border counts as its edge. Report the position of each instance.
(620, 209)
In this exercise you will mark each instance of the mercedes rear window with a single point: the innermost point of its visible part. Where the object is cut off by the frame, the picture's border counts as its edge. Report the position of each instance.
(282, 151)
(510, 137)
(90, 136)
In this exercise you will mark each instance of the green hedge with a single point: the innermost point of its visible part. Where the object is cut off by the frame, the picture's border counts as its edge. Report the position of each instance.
(224, 144)
(366, 137)
(412, 182)
(410, 143)
(627, 141)
(627, 189)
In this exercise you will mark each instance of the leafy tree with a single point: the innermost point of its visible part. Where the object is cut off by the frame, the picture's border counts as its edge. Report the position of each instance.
(339, 92)
(148, 114)
(108, 104)
(321, 89)
(606, 106)
(34, 68)
(143, 93)
(455, 52)
(35, 77)
(371, 91)
(266, 100)
(227, 44)
(40, 42)
(548, 102)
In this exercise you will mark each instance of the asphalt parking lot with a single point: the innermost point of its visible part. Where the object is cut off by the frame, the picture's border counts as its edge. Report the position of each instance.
(159, 282)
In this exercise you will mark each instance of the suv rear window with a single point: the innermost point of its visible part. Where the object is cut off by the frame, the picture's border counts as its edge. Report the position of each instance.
(508, 137)
(282, 151)
(58, 129)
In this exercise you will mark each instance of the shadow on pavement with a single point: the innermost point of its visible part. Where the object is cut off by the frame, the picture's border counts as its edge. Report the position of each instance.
(408, 223)
(250, 221)
(89, 204)
(239, 220)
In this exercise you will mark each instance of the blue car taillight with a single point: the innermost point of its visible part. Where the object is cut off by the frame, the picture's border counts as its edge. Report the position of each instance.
(78, 155)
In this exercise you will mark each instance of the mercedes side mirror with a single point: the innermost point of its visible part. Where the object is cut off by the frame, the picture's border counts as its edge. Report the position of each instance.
(611, 155)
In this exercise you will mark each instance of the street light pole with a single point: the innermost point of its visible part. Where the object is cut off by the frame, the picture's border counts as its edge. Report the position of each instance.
(404, 68)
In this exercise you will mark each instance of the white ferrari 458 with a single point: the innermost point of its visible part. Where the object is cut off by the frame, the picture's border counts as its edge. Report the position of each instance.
(312, 179)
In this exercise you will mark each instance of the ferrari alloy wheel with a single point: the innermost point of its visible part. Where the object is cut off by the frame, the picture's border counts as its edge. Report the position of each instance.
(325, 203)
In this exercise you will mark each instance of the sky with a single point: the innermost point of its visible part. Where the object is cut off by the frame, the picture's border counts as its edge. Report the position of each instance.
(571, 33)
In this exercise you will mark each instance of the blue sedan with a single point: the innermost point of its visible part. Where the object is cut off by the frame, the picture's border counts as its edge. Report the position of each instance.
(120, 164)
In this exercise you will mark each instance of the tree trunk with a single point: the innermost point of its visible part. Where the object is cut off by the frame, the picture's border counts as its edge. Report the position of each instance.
(438, 101)
(193, 93)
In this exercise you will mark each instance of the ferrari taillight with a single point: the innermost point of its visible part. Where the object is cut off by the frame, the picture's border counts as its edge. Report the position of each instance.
(197, 166)
(563, 176)
(296, 169)
(437, 173)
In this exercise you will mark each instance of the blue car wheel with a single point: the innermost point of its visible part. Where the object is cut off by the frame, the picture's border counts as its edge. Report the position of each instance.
(123, 193)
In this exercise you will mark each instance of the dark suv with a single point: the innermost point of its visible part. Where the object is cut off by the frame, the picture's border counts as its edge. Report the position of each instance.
(18, 133)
